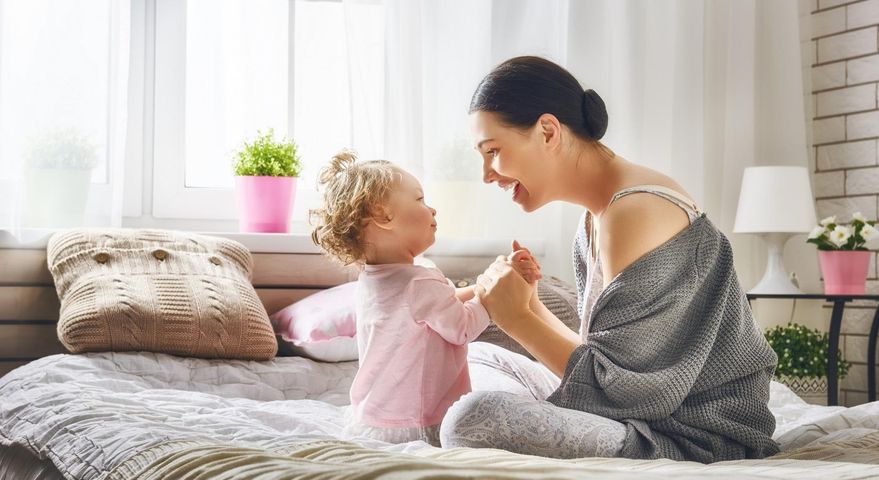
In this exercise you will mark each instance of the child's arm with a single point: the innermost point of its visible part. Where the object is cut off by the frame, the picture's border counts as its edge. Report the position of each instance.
(434, 303)
(465, 293)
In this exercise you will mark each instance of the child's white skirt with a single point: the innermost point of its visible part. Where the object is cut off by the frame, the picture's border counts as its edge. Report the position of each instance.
(354, 428)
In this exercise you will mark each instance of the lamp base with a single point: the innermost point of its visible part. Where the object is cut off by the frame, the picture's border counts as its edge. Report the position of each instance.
(776, 279)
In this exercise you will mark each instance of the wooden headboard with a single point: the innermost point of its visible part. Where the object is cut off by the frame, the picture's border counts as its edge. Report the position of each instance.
(29, 305)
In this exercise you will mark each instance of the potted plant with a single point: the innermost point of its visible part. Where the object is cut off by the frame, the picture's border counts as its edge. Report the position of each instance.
(265, 183)
(802, 360)
(843, 254)
(57, 176)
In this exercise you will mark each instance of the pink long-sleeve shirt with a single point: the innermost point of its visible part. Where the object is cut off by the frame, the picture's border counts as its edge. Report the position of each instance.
(412, 335)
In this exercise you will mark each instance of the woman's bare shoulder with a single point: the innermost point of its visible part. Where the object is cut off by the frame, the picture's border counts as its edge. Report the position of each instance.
(635, 225)
(634, 174)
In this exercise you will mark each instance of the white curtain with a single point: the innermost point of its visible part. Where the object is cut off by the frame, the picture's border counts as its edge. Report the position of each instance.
(435, 55)
(697, 90)
(63, 97)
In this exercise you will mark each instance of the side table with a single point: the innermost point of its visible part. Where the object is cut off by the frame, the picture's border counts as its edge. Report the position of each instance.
(839, 302)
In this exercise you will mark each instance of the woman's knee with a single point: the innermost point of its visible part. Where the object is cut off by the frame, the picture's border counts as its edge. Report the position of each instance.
(461, 424)
(523, 425)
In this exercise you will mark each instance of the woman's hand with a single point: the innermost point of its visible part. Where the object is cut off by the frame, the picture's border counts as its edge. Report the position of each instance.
(513, 305)
(527, 266)
(505, 294)
(525, 263)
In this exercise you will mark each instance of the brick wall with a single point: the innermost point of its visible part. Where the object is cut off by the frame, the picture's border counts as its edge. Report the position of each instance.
(845, 129)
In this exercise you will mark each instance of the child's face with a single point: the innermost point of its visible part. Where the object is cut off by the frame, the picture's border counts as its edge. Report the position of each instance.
(412, 220)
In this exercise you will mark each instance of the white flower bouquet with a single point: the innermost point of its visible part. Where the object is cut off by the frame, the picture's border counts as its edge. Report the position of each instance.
(830, 235)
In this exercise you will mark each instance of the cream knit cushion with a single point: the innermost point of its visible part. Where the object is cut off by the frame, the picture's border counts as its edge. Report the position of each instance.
(158, 291)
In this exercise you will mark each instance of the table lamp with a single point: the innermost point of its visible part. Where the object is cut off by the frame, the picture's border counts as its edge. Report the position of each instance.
(775, 203)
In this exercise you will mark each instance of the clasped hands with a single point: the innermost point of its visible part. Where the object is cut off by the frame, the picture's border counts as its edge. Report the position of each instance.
(509, 285)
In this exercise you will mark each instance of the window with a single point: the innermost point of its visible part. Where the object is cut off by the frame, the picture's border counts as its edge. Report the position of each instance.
(223, 71)
(54, 80)
(63, 69)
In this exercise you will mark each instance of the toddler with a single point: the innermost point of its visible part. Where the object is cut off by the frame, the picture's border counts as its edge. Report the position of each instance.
(412, 325)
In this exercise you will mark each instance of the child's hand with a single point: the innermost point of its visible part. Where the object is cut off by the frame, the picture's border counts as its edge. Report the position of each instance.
(524, 263)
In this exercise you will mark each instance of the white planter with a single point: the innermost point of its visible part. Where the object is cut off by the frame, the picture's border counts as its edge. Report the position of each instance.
(55, 197)
(811, 389)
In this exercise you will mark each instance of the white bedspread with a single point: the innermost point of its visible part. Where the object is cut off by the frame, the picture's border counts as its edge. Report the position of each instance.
(88, 413)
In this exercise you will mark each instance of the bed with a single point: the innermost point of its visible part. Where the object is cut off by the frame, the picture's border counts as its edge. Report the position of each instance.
(140, 415)
(146, 416)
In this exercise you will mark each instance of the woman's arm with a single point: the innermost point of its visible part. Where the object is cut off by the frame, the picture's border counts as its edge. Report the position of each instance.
(548, 343)
(527, 266)
(507, 297)
(539, 309)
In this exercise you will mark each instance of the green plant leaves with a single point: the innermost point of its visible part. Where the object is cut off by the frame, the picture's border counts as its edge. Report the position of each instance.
(802, 352)
(266, 157)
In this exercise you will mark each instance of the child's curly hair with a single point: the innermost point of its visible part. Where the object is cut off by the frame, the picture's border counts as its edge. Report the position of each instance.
(353, 192)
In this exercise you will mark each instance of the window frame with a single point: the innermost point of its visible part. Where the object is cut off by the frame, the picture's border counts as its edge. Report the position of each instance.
(171, 198)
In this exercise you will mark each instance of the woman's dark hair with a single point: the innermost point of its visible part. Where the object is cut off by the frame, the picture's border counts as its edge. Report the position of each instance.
(522, 89)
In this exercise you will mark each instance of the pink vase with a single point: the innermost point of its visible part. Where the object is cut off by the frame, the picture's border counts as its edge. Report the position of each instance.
(264, 203)
(844, 271)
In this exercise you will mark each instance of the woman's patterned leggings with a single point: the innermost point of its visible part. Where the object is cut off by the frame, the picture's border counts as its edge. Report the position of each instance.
(518, 419)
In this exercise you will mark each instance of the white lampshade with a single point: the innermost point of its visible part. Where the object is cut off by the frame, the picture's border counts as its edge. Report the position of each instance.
(775, 203)
(775, 200)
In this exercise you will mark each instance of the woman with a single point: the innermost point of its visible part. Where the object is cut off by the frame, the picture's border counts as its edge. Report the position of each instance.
(669, 362)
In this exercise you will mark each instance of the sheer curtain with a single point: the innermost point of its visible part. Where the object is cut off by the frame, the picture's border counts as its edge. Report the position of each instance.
(697, 90)
(701, 90)
(63, 98)
(435, 55)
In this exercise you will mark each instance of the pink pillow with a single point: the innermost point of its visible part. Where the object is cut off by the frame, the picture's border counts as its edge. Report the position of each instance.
(321, 326)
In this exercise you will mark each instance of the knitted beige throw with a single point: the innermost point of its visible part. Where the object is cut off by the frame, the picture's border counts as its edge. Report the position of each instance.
(158, 291)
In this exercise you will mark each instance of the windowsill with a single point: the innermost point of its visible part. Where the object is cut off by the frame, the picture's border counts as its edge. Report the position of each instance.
(38, 238)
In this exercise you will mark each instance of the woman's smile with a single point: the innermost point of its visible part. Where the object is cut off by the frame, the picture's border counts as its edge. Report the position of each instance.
(508, 186)
(517, 191)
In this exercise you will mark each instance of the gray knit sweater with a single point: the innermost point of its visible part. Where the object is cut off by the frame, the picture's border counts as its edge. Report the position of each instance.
(673, 353)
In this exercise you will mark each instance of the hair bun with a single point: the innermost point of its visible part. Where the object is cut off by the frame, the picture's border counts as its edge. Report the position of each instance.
(343, 160)
(340, 162)
(594, 114)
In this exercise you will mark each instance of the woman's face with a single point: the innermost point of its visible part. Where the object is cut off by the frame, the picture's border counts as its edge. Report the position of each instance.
(515, 159)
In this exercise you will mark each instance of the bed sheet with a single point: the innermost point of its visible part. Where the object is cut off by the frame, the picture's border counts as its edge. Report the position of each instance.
(98, 415)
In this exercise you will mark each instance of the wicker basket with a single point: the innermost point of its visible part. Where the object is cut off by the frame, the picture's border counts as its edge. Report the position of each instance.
(811, 389)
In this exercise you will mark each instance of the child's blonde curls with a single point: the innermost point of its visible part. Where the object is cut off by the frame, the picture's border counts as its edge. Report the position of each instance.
(353, 193)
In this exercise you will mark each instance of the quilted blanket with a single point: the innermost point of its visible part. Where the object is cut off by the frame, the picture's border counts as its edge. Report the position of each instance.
(149, 416)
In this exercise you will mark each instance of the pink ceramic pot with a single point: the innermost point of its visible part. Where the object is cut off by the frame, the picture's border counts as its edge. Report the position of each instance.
(844, 271)
(264, 203)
